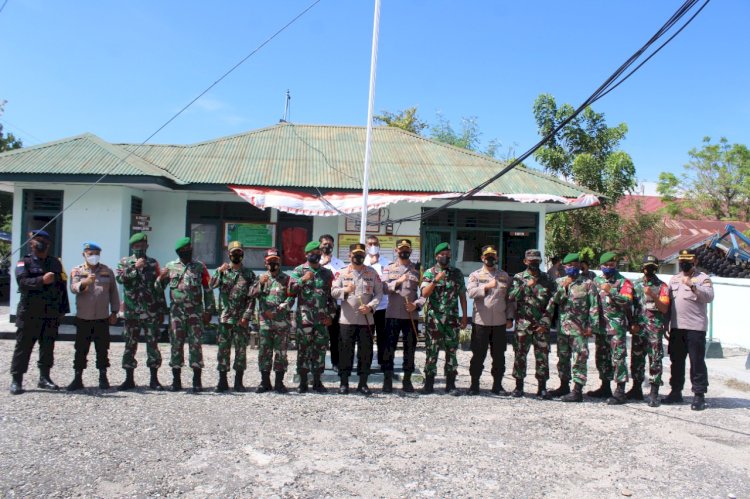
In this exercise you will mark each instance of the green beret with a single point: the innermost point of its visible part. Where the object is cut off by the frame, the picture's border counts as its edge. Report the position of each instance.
(606, 257)
(442, 247)
(138, 237)
(181, 243)
(570, 258)
(312, 246)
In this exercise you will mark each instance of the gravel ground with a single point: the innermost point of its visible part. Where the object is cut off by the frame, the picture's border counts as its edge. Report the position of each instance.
(143, 443)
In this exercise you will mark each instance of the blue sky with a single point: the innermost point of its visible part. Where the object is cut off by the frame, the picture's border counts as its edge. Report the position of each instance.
(121, 69)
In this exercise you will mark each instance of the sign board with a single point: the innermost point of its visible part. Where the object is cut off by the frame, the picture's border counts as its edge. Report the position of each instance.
(387, 246)
(141, 223)
(251, 235)
(373, 222)
(141, 228)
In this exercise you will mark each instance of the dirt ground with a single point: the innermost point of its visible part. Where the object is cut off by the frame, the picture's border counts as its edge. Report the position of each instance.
(135, 444)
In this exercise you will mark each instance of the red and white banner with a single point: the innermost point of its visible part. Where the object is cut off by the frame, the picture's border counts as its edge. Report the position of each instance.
(333, 203)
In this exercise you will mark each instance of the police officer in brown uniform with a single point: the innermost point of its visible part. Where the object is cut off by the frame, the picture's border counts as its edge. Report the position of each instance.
(97, 303)
(690, 292)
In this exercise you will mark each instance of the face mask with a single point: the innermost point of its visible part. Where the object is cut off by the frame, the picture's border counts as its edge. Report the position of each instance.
(326, 249)
(273, 267)
(358, 259)
(534, 265)
(686, 266)
(649, 272)
(490, 262)
(404, 255)
(236, 258)
(443, 260)
(40, 245)
(185, 255)
(608, 271)
(572, 272)
(139, 253)
(313, 258)
(92, 259)
(373, 250)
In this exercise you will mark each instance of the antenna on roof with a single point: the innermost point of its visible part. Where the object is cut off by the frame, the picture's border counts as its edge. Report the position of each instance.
(287, 105)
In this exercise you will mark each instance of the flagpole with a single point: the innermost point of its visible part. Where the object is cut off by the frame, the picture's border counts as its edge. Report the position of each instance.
(370, 111)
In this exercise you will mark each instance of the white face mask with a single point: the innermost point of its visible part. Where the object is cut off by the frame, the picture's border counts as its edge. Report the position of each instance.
(92, 259)
(373, 250)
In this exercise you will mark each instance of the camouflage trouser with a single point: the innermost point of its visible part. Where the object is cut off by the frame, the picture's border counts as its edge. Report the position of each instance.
(524, 340)
(564, 352)
(619, 355)
(573, 347)
(232, 335)
(181, 327)
(312, 343)
(603, 357)
(441, 336)
(131, 332)
(274, 336)
(649, 342)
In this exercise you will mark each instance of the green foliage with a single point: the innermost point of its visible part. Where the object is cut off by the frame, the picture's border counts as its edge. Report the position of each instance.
(406, 119)
(668, 189)
(587, 254)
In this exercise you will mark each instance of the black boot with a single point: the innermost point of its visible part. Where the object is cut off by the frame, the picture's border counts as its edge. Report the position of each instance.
(636, 392)
(388, 382)
(618, 397)
(699, 402)
(302, 383)
(318, 384)
(474, 386)
(574, 396)
(406, 383)
(518, 392)
(103, 381)
(450, 384)
(45, 381)
(497, 386)
(362, 385)
(223, 385)
(154, 381)
(674, 397)
(197, 384)
(239, 387)
(653, 397)
(16, 386)
(129, 382)
(603, 392)
(343, 384)
(77, 383)
(176, 380)
(278, 385)
(563, 390)
(265, 382)
(541, 391)
(429, 382)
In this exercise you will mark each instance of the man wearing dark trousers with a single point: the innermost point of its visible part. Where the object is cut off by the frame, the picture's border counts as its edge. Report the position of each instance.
(379, 263)
(42, 284)
(690, 292)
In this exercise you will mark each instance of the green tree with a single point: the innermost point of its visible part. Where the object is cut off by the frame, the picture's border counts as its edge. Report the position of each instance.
(406, 119)
(468, 137)
(7, 143)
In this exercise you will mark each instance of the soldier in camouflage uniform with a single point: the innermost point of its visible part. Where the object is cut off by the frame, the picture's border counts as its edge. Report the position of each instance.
(603, 355)
(651, 316)
(191, 306)
(235, 283)
(144, 308)
(274, 306)
(316, 308)
(532, 290)
(616, 299)
(575, 299)
(443, 287)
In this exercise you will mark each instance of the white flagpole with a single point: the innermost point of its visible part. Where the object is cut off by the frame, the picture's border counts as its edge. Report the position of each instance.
(370, 108)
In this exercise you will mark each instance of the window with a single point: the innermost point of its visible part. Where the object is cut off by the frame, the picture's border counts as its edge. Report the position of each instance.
(39, 207)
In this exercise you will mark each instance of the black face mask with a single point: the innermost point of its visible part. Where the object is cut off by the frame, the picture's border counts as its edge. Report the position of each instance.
(40, 246)
(358, 259)
(686, 266)
(649, 272)
(139, 253)
(404, 255)
(236, 258)
(533, 266)
(273, 267)
(326, 249)
(313, 258)
(185, 255)
(443, 260)
(490, 262)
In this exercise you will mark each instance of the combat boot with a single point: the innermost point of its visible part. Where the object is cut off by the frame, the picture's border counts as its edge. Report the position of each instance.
(129, 382)
(674, 397)
(388, 382)
(344, 385)
(318, 384)
(239, 387)
(450, 384)
(278, 385)
(497, 386)
(474, 386)
(265, 382)
(429, 381)
(603, 392)
(653, 397)
(618, 397)
(574, 396)
(223, 385)
(154, 381)
(541, 391)
(564, 389)
(302, 383)
(406, 383)
(77, 383)
(362, 386)
(518, 392)
(636, 392)
(176, 380)
(699, 402)
(16, 386)
(197, 384)
(45, 381)
(103, 381)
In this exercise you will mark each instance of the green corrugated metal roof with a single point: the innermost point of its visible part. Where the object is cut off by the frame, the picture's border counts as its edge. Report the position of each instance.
(288, 155)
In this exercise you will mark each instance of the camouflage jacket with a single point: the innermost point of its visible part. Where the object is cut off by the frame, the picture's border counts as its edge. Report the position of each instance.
(578, 306)
(314, 300)
(274, 296)
(443, 302)
(531, 302)
(645, 312)
(189, 290)
(143, 300)
(235, 299)
(616, 306)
